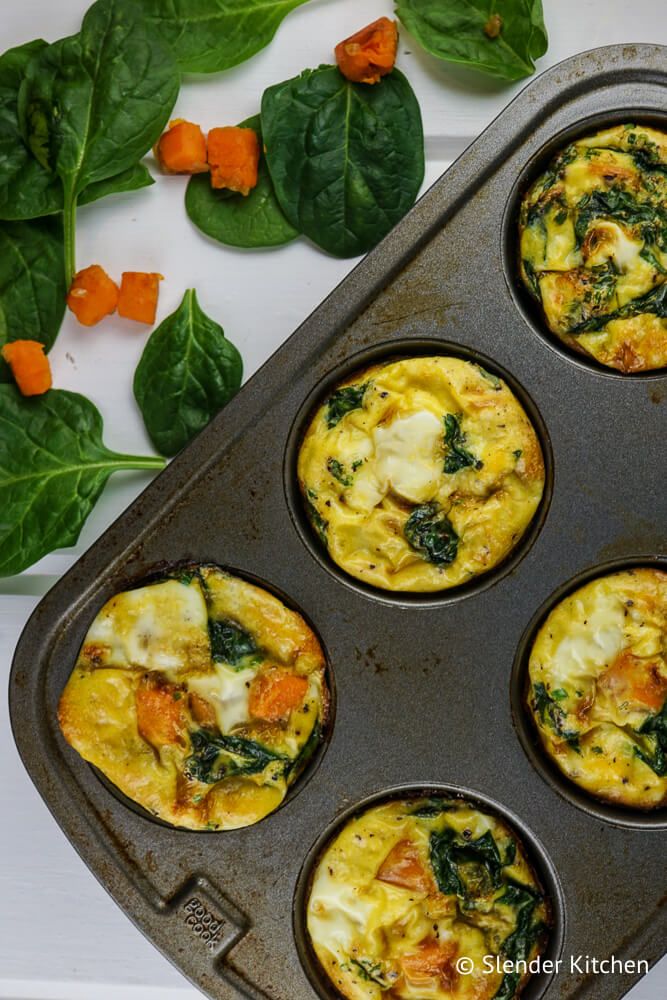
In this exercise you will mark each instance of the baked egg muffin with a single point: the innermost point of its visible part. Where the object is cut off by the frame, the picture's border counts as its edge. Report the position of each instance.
(409, 888)
(420, 474)
(200, 696)
(593, 238)
(598, 687)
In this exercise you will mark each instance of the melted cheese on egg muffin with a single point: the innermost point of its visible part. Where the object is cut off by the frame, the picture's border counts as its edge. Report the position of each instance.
(410, 887)
(598, 687)
(420, 474)
(593, 235)
(201, 697)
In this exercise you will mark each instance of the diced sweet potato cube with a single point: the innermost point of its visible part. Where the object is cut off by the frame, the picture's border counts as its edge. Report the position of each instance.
(233, 158)
(138, 296)
(370, 54)
(182, 149)
(93, 295)
(30, 366)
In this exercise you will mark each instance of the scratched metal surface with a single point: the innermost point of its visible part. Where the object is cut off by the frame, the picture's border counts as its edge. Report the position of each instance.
(424, 692)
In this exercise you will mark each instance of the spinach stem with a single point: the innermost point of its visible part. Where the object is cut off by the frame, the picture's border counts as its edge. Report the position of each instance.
(69, 236)
(140, 461)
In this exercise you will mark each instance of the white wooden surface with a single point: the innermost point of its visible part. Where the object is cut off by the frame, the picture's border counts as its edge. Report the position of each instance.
(61, 937)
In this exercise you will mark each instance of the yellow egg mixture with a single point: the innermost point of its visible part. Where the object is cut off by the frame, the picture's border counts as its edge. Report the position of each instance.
(593, 246)
(410, 887)
(421, 474)
(201, 697)
(598, 687)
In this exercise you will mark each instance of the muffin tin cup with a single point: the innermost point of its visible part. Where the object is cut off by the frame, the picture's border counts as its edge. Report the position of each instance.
(422, 685)
(633, 819)
(397, 350)
(540, 862)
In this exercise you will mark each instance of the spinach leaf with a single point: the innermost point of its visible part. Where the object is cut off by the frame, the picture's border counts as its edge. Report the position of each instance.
(320, 525)
(465, 868)
(552, 714)
(230, 643)
(519, 944)
(91, 105)
(655, 727)
(216, 757)
(211, 35)
(458, 457)
(27, 189)
(187, 373)
(32, 284)
(53, 467)
(431, 808)
(346, 159)
(501, 39)
(306, 752)
(654, 302)
(237, 221)
(342, 401)
(432, 534)
(337, 470)
(369, 971)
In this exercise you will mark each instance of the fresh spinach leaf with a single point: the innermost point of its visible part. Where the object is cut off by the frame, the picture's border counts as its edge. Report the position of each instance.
(230, 643)
(27, 189)
(342, 401)
(430, 532)
(53, 467)
(91, 105)
(346, 159)
(458, 457)
(211, 35)
(187, 373)
(32, 283)
(237, 221)
(216, 757)
(655, 757)
(501, 39)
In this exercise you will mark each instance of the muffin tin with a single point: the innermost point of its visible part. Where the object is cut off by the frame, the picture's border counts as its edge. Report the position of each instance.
(425, 686)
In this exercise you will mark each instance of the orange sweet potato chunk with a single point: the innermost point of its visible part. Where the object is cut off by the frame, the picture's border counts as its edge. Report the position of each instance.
(370, 54)
(93, 295)
(30, 366)
(276, 693)
(233, 158)
(138, 295)
(182, 149)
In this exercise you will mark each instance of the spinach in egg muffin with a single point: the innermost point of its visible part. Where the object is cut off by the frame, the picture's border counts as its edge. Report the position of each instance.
(420, 474)
(593, 246)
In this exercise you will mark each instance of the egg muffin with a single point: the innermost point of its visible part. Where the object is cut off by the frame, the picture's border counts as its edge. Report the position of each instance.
(420, 474)
(593, 238)
(598, 687)
(410, 888)
(200, 696)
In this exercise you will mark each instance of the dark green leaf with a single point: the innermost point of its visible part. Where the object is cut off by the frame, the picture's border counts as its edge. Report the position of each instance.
(320, 525)
(655, 755)
(461, 31)
(187, 373)
(53, 467)
(230, 643)
(430, 532)
(132, 179)
(431, 808)
(458, 457)
(32, 284)
(91, 105)
(237, 221)
(337, 470)
(211, 35)
(346, 159)
(518, 945)
(342, 401)
(216, 757)
(552, 714)
(465, 868)
(306, 753)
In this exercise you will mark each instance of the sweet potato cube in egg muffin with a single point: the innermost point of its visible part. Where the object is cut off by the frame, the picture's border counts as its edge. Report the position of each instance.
(410, 886)
(420, 474)
(598, 687)
(201, 697)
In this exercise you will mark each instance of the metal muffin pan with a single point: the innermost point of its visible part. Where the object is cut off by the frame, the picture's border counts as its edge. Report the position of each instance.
(423, 688)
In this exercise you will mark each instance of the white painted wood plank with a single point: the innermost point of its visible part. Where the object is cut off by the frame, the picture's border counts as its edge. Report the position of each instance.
(62, 937)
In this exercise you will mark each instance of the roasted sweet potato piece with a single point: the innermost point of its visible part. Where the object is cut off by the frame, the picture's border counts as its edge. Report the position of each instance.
(276, 693)
(30, 366)
(93, 295)
(160, 715)
(403, 867)
(233, 158)
(636, 681)
(138, 296)
(182, 149)
(370, 54)
(433, 961)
